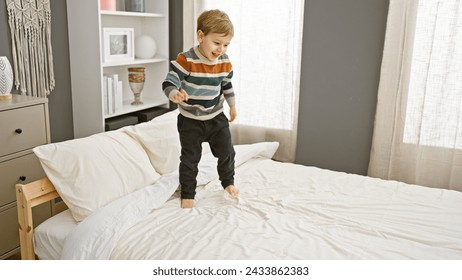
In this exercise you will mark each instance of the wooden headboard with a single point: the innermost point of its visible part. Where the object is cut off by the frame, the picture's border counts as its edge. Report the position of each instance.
(27, 197)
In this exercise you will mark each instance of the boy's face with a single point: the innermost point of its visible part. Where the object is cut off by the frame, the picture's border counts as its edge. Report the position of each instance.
(213, 45)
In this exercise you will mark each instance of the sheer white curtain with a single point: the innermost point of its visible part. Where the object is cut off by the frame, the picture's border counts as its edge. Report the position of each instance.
(418, 126)
(266, 57)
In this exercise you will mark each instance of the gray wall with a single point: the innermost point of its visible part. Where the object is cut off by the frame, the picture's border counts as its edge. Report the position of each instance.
(175, 18)
(342, 51)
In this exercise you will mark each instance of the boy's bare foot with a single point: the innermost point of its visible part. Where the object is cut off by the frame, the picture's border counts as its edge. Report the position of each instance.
(232, 190)
(187, 203)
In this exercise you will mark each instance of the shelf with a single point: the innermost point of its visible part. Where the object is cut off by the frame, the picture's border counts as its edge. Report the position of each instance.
(149, 102)
(130, 14)
(88, 66)
(134, 62)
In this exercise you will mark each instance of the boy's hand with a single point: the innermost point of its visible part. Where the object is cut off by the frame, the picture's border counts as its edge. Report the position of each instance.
(232, 113)
(181, 96)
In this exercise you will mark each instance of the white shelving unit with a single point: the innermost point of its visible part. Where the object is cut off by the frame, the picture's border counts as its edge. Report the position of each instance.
(85, 24)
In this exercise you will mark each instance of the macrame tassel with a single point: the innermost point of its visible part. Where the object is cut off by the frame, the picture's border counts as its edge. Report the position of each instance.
(47, 43)
(30, 27)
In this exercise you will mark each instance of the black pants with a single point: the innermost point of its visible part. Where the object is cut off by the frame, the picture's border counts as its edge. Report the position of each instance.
(192, 134)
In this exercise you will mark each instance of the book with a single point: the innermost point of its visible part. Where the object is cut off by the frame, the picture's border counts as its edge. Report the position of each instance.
(110, 95)
(105, 97)
(115, 84)
(118, 101)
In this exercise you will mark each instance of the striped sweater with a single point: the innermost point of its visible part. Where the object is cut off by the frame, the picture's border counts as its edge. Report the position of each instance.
(208, 84)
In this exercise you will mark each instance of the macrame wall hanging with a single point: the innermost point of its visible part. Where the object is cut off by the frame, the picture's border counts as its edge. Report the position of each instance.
(30, 26)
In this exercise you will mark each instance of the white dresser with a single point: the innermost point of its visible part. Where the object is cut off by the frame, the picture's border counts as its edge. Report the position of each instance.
(24, 124)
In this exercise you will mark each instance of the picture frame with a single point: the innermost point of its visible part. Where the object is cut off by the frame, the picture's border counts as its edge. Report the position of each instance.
(118, 44)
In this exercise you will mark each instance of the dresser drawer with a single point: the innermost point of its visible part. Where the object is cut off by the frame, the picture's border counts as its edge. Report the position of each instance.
(22, 129)
(9, 231)
(27, 166)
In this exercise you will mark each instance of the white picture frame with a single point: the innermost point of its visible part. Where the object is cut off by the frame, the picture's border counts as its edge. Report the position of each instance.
(119, 44)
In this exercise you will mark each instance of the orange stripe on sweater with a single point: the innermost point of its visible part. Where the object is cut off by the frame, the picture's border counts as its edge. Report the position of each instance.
(203, 68)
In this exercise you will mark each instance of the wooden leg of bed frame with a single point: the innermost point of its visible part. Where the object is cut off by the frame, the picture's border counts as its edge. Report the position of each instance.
(25, 225)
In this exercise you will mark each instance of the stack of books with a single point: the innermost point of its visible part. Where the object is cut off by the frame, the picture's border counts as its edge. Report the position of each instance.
(113, 94)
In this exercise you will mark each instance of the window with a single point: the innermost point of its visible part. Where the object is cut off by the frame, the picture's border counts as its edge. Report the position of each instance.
(266, 56)
(434, 107)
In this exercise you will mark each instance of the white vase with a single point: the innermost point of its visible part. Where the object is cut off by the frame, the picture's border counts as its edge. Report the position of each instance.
(6, 76)
(145, 47)
(136, 79)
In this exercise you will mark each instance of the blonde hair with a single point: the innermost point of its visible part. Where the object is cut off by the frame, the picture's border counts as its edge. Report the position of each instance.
(215, 21)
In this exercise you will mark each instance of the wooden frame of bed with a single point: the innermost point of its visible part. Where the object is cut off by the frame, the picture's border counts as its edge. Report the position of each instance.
(337, 214)
(28, 196)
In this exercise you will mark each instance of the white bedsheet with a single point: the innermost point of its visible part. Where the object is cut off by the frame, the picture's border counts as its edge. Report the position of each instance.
(49, 236)
(289, 211)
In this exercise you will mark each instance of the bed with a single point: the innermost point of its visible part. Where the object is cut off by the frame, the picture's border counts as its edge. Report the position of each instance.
(285, 211)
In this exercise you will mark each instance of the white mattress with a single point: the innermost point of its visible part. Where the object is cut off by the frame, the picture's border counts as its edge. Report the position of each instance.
(289, 211)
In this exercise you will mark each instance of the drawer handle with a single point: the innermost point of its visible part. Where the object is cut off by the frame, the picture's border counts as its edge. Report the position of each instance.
(18, 131)
(22, 178)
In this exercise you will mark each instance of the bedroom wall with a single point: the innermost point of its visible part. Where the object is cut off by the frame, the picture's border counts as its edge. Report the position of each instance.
(59, 101)
(342, 50)
(342, 53)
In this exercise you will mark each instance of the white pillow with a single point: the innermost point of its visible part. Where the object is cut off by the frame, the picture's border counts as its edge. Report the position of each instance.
(161, 141)
(90, 172)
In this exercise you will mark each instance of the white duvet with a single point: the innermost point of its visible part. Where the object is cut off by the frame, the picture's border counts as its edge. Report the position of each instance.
(284, 211)
(96, 236)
